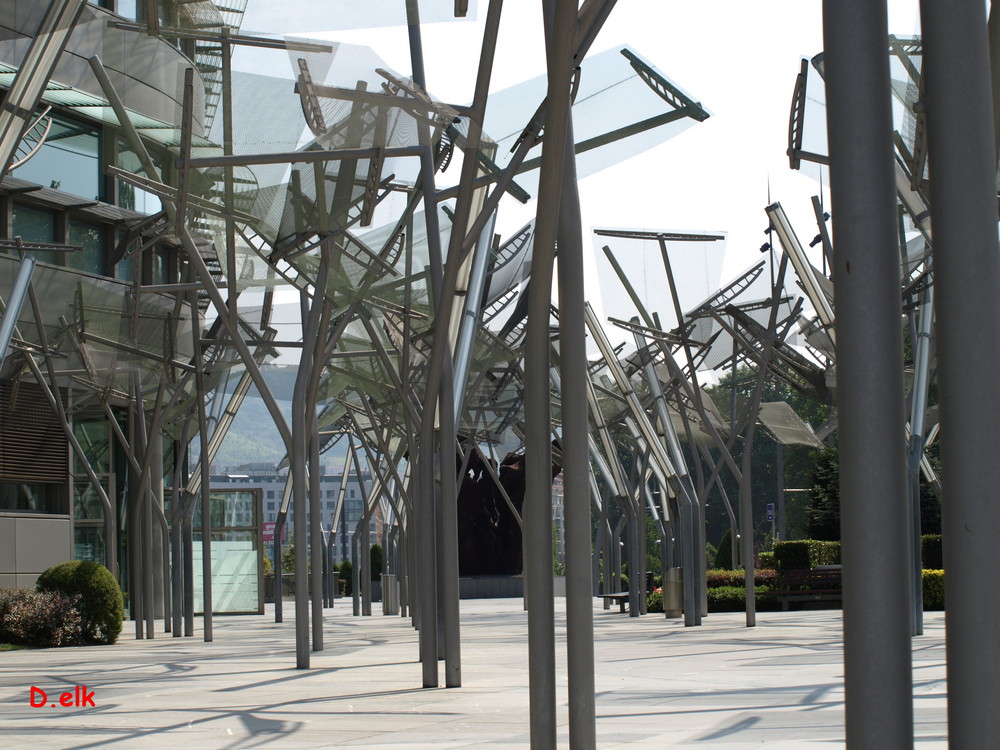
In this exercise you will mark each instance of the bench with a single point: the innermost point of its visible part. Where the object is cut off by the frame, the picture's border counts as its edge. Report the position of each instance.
(814, 585)
(621, 597)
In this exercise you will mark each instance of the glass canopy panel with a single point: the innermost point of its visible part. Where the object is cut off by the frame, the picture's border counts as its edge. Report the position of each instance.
(697, 270)
(616, 115)
(81, 313)
(342, 15)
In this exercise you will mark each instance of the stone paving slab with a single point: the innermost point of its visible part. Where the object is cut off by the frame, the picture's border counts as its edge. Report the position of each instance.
(658, 685)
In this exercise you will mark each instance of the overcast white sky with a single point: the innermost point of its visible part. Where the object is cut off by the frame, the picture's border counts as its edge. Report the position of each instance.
(738, 58)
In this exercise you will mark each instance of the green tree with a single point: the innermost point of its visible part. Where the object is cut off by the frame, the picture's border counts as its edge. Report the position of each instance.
(345, 572)
(376, 562)
(763, 465)
(653, 561)
(724, 553)
(824, 493)
(288, 560)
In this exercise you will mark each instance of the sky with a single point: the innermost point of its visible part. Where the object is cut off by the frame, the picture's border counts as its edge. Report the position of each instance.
(739, 59)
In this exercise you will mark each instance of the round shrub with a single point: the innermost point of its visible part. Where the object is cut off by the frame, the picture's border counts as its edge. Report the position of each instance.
(101, 607)
(654, 602)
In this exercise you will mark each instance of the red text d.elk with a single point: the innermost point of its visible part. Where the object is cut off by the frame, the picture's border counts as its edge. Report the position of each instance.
(79, 697)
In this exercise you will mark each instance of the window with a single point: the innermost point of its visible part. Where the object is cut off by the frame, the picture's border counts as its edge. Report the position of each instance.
(30, 498)
(129, 196)
(270, 496)
(92, 237)
(34, 225)
(270, 506)
(69, 160)
(161, 275)
(352, 493)
(127, 9)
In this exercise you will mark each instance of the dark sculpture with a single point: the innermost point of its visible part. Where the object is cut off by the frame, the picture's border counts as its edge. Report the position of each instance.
(488, 532)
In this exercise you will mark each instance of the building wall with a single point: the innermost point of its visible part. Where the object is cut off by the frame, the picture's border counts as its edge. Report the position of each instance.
(145, 70)
(30, 544)
(148, 73)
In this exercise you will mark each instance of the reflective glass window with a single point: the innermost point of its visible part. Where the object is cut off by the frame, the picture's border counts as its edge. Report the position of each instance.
(129, 196)
(69, 160)
(34, 225)
(29, 498)
(91, 237)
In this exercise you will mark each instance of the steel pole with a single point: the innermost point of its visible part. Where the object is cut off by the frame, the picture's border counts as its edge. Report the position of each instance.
(966, 279)
(560, 22)
(877, 662)
(575, 461)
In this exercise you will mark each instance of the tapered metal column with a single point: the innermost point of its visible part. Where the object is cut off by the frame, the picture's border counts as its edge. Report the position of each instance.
(425, 498)
(355, 575)
(560, 21)
(187, 539)
(206, 518)
(966, 279)
(921, 337)
(279, 530)
(155, 457)
(176, 523)
(877, 664)
(316, 548)
(297, 474)
(746, 522)
(575, 461)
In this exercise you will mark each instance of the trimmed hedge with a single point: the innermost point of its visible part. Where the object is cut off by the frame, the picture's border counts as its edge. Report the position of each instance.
(726, 592)
(39, 618)
(733, 599)
(933, 589)
(931, 553)
(100, 598)
(802, 554)
(792, 555)
(765, 561)
(717, 578)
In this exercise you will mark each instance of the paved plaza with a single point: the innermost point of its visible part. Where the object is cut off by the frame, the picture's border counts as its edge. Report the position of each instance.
(722, 685)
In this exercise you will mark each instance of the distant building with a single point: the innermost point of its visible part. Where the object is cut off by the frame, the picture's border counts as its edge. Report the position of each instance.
(271, 481)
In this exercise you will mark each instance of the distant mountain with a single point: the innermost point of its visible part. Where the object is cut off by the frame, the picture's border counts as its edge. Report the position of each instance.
(253, 438)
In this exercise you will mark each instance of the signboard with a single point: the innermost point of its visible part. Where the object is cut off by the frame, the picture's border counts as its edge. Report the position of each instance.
(770, 513)
(269, 531)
